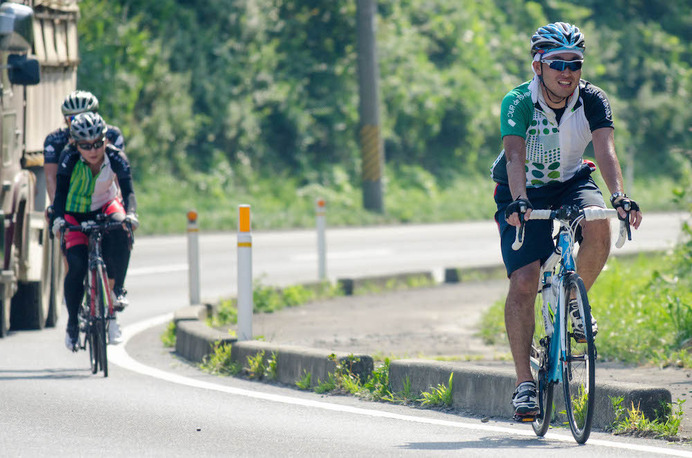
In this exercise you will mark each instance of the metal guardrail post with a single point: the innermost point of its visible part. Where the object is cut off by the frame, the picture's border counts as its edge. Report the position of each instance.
(193, 257)
(321, 240)
(245, 300)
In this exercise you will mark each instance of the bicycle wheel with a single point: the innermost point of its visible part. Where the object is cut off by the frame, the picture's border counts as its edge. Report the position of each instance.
(579, 365)
(92, 343)
(539, 370)
(102, 320)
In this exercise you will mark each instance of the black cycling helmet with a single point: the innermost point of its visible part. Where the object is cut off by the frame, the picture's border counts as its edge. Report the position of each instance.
(79, 102)
(87, 127)
(558, 36)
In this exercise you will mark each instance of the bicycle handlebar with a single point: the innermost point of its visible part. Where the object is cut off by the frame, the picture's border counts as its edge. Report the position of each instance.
(590, 214)
(92, 226)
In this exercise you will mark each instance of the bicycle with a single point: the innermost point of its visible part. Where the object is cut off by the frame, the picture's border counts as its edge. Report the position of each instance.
(96, 309)
(558, 357)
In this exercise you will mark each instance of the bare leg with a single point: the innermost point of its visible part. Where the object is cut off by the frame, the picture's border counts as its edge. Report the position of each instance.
(593, 251)
(519, 317)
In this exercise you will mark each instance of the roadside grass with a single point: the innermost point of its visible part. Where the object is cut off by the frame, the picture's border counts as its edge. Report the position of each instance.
(168, 337)
(269, 299)
(631, 421)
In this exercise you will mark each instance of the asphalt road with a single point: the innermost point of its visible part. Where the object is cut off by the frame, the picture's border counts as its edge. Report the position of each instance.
(154, 405)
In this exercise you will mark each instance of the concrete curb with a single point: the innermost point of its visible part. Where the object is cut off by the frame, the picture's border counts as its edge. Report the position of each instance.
(487, 391)
(293, 362)
(476, 389)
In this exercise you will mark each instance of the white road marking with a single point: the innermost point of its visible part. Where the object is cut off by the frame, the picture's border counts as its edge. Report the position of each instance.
(157, 270)
(353, 254)
(118, 355)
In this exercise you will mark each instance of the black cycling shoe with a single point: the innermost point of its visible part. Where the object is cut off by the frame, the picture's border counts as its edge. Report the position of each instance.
(72, 337)
(524, 402)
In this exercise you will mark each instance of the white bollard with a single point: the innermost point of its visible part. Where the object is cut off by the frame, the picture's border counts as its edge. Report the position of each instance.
(245, 301)
(193, 257)
(321, 240)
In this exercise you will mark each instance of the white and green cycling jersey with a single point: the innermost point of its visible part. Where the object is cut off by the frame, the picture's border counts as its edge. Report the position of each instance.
(555, 139)
(78, 190)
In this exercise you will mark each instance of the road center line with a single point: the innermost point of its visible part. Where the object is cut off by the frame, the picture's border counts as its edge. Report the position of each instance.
(118, 355)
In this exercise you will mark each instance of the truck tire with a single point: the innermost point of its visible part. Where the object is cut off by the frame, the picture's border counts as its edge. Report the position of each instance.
(29, 306)
(57, 279)
(4, 312)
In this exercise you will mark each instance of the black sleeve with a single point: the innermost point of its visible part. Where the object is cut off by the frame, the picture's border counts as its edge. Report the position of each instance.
(121, 168)
(68, 159)
(597, 107)
(61, 189)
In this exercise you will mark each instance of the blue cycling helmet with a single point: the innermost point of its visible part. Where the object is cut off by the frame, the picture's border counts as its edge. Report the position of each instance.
(558, 36)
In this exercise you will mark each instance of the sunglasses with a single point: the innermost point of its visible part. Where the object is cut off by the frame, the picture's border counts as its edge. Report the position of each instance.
(89, 146)
(561, 65)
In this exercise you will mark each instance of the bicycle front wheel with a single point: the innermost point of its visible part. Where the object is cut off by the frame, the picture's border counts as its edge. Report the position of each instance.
(93, 343)
(102, 302)
(579, 365)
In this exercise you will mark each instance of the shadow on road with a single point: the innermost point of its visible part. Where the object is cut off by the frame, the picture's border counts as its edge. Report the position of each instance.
(38, 374)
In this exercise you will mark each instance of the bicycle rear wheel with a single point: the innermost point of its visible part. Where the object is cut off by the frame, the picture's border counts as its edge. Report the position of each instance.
(545, 389)
(579, 365)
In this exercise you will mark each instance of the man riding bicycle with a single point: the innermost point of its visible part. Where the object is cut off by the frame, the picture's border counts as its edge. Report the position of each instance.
(546, 124)
(89, 173)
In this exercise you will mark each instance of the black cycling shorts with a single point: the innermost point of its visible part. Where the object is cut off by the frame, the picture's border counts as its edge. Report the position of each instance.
(580, 190)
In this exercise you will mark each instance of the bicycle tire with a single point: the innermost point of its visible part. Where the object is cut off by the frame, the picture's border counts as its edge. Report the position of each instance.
(579, 366)
(87, 327)
(92, 343)
(545, 390)
(102, 319)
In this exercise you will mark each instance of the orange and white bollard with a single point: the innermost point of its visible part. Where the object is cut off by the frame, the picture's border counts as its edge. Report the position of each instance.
(245, 301)
(193, 257)
(321, 215)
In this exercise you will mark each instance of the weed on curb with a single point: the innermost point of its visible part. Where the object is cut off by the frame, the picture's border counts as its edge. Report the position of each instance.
(632, 422)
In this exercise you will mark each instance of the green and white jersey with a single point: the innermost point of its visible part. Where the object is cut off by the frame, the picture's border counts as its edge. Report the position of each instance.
(555, 143)
(78, 190)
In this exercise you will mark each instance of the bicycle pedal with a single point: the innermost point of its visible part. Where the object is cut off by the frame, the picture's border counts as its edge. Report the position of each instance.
(524, 418)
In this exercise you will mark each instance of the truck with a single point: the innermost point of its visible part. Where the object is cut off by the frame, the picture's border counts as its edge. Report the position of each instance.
(38, 61)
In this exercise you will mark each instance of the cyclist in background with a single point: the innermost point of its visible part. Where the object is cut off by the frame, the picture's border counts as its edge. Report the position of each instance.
(75, 103)
(87, 184)
(546, 124)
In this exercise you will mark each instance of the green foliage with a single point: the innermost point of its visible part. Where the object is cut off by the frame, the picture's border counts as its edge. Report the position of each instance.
(632, 421)
(223, 99)
(219, 361)
(260, 367)
(378, 384)
(305, 381)
(439, 396)
(492, 325)
(643, 310)
(269, 299)
(168, 337)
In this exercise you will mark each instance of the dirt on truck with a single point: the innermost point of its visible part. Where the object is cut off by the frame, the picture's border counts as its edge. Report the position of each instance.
(38, 65)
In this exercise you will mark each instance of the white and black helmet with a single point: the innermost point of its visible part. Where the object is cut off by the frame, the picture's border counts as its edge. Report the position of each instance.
(558, 36)
(87, 127)
(79, 102)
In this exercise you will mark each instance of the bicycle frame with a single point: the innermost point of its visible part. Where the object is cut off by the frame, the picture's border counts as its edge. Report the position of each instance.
(98, 305)
(567, 265)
